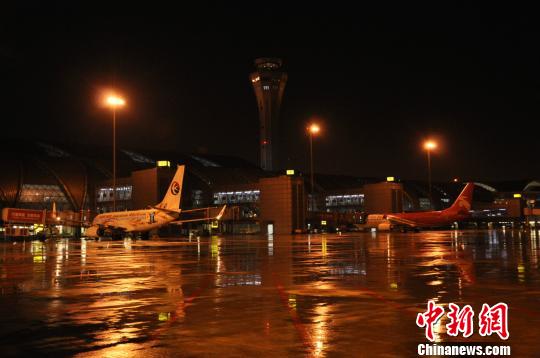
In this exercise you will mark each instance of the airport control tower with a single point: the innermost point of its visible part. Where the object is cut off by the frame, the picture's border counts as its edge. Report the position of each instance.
(269, 83)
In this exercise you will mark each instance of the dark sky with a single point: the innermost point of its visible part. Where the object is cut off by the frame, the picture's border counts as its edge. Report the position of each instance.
(381, 80)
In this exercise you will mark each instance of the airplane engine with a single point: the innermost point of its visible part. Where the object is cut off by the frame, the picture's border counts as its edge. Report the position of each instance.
(384, 226)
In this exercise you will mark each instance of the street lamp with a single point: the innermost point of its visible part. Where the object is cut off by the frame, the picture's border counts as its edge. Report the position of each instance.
(313, 129)
(429, 145)
(114, 102)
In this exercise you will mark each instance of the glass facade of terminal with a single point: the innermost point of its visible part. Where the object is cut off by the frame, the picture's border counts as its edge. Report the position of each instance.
(344, 200)
(489, 213)
(197, 198)
(237, 197)
(104, 198)
(243, 204)
(344, 203)
(42, 196)
(424, 204)
(106, 194)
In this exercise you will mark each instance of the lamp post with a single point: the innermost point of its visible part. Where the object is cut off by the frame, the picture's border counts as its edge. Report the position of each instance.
(429, 145)
(313, 129)
(114, 102)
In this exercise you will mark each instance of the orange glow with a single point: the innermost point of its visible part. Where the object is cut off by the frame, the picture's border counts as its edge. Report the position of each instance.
(429, 145)
(314, 128)
(114, 101)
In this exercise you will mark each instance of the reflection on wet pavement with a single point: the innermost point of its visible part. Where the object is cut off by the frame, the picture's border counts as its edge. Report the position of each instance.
(322, 295)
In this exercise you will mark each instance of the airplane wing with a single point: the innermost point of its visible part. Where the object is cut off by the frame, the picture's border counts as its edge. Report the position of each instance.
(117, 227)
(206, 218)
(67, 222)
(400, 221)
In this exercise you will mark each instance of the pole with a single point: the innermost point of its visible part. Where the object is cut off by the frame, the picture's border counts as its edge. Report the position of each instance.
(311, 158)
(311, 161)
(429, 178)
(114, 159)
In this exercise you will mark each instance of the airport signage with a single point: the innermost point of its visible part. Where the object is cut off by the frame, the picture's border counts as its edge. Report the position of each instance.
(25, 216)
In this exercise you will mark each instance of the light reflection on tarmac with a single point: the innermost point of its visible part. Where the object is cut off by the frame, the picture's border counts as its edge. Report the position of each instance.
(354, 294)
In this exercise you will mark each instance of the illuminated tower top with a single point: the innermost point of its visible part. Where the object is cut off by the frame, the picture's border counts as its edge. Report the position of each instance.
(268, 83)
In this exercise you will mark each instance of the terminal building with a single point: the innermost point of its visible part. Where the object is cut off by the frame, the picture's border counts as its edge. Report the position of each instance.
(78, 180)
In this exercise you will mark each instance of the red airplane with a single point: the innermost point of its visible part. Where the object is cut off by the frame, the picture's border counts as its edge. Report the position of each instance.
(459, 210)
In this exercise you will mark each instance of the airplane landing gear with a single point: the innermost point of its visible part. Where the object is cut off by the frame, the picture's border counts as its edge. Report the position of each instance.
(116, 236)
(145, 235)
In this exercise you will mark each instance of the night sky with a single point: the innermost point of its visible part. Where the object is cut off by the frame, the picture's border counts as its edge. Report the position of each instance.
(380, 80)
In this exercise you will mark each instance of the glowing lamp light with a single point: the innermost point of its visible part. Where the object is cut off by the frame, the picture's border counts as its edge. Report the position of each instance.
(290, 171)
(323, 222)
(517, 195)
(429, 145)
(390, 179)
(163, 163)
(115, 101)
(314, 128)
(455, 180)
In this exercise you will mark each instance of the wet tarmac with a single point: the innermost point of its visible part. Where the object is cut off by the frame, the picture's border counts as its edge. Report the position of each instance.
(355, 294)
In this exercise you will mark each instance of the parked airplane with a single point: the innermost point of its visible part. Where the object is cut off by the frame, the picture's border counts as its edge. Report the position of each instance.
(459, 210)
(118, 223)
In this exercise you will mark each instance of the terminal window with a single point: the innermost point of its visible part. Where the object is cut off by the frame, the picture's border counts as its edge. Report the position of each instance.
(197, 198)
(235, 197)
(424, 203)
(122, 193)
(34, 193)
(345, 200)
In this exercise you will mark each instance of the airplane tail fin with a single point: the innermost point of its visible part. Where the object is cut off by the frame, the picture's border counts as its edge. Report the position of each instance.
(464, 200)
(222, 211)
(171, 201)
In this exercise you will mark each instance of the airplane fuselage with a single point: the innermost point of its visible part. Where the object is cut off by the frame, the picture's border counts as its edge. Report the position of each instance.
(429, 219)
(135, 220)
